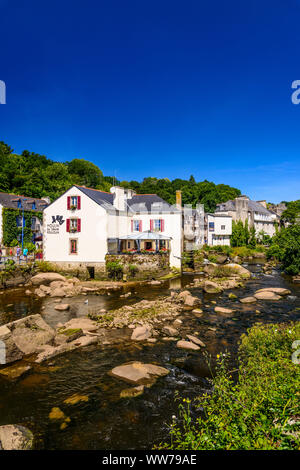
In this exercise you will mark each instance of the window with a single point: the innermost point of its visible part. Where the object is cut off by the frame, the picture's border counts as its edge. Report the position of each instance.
(74, 202)
(157, 225)
(73, 247)
(136, 226)
(19, 205)
(211, 226)
(222, 227)
(73, 225)
(33, 206)
(19, 221)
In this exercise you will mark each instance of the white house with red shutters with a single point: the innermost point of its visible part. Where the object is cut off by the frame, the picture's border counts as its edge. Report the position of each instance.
(83, 225)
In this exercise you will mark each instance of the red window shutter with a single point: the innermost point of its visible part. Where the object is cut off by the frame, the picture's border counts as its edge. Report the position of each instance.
(78, 202)
(140, 226)
(162, 225)
(132, 225)
(68, 225)
(151, 225)
(78, 225)
(69, 202)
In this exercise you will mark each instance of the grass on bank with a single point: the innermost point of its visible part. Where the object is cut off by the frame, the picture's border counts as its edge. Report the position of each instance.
(258, 410)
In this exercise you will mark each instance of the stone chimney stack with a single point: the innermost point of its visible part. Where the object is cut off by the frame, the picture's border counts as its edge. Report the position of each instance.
(263, 203)
(178, 199)
(119, 197)
(241, 207)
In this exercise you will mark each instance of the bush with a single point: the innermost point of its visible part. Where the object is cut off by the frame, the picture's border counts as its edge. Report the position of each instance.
(45, 267)
(115, 270)
(133, 270)
(30, 247)
(258, 411)
(286, 248)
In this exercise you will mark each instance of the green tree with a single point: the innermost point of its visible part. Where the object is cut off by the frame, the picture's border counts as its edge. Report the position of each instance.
(85, 173)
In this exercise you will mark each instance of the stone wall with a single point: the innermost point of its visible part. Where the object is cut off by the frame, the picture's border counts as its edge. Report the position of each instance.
(148, 265)
(81, 270)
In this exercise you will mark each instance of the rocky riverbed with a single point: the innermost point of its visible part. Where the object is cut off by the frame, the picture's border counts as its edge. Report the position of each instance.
(94, 369)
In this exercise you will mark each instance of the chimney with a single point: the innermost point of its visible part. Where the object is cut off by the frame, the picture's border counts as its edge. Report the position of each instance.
(46, 199)
(263, 203)
(178, 199)
(119, 197)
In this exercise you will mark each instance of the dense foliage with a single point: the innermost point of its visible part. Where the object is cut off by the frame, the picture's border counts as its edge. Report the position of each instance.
(243, 236)
(286, 248)
(35, 175)
(11, 230)
(259, 410)
(292, 212)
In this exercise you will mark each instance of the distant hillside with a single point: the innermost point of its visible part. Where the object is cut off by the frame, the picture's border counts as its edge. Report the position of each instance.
(34, 175)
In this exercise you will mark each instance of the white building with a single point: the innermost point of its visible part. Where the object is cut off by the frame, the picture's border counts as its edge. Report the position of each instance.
(218, 229)
(202, 228)
(255, 212)
(83, 225)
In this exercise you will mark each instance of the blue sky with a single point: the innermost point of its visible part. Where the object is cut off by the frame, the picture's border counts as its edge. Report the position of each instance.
(161, 88)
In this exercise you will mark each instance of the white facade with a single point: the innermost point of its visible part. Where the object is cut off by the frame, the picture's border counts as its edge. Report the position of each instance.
(101, 220)
(1, 222)
(219, 229)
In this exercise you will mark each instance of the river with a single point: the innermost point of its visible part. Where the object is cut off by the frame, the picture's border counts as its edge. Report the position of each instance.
(105, 421)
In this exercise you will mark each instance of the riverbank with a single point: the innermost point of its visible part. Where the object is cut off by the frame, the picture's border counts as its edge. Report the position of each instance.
(107, 420)
(254, 408)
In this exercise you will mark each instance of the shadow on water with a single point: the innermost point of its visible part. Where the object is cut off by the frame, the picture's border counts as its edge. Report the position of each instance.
(105, 421)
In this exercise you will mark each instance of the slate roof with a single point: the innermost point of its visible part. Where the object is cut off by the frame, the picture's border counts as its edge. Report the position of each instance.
(138, 203)
(253, 206)
(10, 201)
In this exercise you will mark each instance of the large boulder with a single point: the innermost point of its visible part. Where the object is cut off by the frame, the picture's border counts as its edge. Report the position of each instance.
(275, 290)
(137, 372)
(191, 301)
(196, 340)
(238, 270)
(14, 437)
(57, 292)
(221, 259)
(211, 287)
(248, 300)
(267, 295)
(223, 310)
(85, 324)
(25, 336)
(210, 268)
(46, 278)
(141, 333)
(183, 294)
(170, 331)
(191, 346)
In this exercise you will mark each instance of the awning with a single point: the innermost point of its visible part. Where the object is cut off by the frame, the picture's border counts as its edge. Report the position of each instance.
(145, 236)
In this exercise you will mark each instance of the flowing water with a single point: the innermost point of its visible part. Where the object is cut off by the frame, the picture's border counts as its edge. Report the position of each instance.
(105, 421)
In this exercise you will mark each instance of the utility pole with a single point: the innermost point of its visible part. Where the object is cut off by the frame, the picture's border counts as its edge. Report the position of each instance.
(22, 205)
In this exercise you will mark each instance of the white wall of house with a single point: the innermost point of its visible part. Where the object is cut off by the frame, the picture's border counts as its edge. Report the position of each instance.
(1, 224)
(97, 226)
(172, 228)
(92, 239)
(220, 232)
